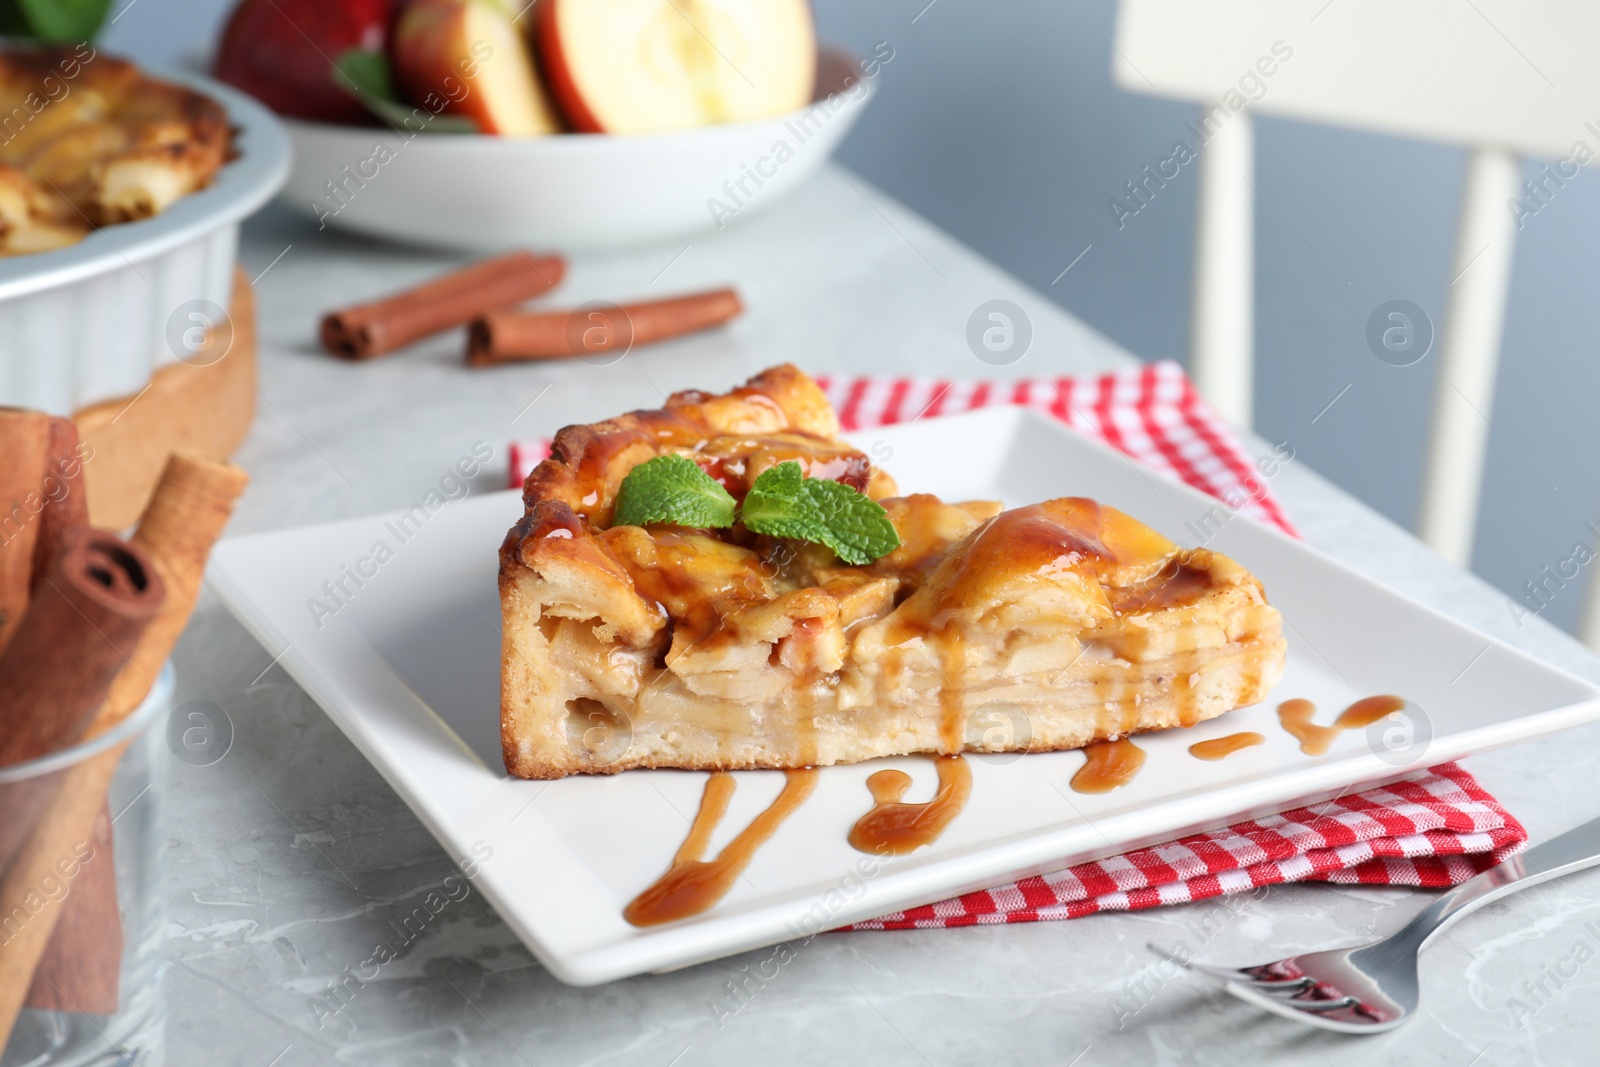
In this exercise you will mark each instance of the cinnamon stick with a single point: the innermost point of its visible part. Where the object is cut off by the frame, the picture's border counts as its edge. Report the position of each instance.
(190, 507)
(369, 330)
(89, 609)
(68, 978)
(66, 506)
(62, 834)
(192, 503)
(82, 968)
(508, 336)
(24, 450)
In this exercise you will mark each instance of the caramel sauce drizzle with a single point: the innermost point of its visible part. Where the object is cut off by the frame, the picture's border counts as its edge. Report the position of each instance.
(1183, 694)
(806, 720)
(1223, 747)
(951, 647)
(1180, 588)
(1110, 765)
(893, 828)
(693, 885)
(1296, 715)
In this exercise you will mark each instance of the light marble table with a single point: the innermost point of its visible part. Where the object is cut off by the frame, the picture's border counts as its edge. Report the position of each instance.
(290, 858)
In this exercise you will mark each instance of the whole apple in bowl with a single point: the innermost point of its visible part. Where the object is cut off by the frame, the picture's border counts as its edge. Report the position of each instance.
(278, 51)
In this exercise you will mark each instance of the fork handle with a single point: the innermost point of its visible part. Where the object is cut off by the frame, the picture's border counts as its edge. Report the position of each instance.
(1574, 850)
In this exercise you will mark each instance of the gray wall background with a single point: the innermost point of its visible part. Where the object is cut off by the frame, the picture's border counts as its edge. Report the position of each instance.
(998, 121)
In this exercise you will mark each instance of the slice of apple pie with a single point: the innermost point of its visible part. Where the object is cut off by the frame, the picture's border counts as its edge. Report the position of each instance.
(766, 637)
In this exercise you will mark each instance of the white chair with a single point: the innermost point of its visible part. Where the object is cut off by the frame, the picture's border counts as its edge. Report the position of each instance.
(1505, 78)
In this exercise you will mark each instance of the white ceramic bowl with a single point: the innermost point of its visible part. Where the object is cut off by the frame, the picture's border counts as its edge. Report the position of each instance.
(570, 191)
(92, 322)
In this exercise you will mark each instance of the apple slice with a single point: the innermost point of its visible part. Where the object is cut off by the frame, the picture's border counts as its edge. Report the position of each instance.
(464, 57)
(638, 66)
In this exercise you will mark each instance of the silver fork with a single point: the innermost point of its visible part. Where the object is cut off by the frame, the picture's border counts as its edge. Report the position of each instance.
(1368, 989)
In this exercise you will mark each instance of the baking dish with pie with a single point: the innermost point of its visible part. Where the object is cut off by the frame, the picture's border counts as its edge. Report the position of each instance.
(89, 140)
(121, 194)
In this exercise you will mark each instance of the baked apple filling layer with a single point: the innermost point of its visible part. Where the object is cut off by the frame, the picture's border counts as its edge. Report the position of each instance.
(1044, 627)
(808, 678)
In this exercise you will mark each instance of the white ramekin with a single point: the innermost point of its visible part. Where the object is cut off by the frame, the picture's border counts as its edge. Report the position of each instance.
(92, 322)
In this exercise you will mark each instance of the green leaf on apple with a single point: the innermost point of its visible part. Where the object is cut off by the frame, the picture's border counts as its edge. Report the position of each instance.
(365, 75)
(53, 20)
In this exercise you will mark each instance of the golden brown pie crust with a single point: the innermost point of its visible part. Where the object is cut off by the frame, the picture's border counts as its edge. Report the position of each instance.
(88, 140)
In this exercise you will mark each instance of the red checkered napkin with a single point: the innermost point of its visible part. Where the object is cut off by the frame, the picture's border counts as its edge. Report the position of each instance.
(1151, 413)
(1435, 829)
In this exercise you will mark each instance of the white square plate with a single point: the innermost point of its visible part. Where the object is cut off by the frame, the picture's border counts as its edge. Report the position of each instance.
(408, 666)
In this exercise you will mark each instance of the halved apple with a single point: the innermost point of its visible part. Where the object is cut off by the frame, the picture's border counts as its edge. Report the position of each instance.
(637, 66)
(464, 57)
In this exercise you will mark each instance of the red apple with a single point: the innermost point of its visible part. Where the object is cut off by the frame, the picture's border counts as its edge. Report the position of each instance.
(636, 66)
(282, 53)
(464, 57)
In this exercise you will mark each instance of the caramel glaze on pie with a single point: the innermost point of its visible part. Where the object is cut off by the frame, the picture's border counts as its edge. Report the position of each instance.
(88, 140)
(723, 650)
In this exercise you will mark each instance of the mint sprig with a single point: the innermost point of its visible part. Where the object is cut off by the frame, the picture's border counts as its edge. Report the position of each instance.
(785, 503)
(672, 490)
(782, 502)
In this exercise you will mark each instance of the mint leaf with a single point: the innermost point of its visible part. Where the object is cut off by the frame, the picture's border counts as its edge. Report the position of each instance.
(365, 75)
(775, 505)
(785, 503)
(782, 502)
(855, 526)
(673, 490)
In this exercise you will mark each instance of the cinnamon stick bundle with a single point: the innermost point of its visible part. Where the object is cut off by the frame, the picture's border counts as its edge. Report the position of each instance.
(191, 505)
(42, 476)
(369, 330)
(509, 336)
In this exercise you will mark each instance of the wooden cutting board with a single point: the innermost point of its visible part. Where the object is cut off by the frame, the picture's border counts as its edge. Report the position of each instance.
(186, 406)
